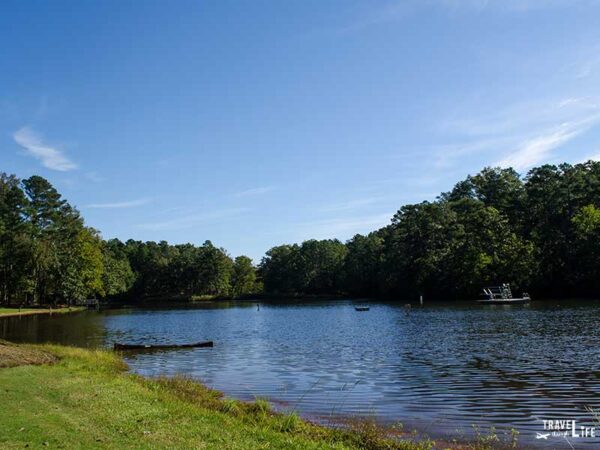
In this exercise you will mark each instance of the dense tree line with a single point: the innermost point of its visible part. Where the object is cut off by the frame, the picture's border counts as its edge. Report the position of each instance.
(539, 232)
(185, 271)
(49, 256)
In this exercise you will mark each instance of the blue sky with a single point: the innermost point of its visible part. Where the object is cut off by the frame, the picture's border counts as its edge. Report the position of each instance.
(256, 123)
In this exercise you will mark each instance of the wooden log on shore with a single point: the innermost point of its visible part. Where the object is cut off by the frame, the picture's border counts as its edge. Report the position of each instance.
(118, 346)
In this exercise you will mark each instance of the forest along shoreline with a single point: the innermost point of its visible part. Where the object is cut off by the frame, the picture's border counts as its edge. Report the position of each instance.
(538, 231)
(94, 392)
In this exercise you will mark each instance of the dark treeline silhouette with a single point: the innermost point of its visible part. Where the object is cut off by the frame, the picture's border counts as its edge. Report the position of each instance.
(540, 233)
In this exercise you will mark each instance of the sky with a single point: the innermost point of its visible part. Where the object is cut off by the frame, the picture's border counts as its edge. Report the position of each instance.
(258, 123)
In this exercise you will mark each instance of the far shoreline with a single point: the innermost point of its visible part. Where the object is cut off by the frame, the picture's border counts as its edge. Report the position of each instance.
(15, 311)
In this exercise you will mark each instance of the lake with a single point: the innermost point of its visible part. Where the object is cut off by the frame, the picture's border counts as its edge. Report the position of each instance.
(440, 369)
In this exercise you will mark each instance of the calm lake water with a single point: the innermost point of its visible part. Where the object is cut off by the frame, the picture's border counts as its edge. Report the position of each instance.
(440, 369)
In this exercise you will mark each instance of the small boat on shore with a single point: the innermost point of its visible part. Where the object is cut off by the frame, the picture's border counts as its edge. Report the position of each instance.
(118, 346)
(502, 295)
(361, 308)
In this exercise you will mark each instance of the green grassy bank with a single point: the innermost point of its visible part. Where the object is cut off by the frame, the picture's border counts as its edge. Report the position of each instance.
(62, 397)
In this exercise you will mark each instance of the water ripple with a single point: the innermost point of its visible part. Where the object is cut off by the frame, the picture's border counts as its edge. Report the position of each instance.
(442, 368)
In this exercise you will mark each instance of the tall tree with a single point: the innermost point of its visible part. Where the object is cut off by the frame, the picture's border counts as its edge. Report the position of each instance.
(243, 277)
(15, 249)
(44, 214)
(363, 264)
(117, 277)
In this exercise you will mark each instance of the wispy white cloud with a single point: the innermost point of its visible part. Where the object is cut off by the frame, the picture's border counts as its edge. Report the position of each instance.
(445, 156)
(539, 149)
(394, 11)
(521, 117)
(51, 157)
(523, 134)
(185, 221)
(253, 191)
(505, 5)
(120, 205)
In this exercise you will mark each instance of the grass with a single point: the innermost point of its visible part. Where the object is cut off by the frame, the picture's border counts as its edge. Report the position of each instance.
(14, 355)
(63, 397)
(5, 312)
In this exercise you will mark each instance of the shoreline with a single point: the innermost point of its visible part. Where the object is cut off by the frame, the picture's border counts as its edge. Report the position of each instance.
(93, 390)
(187, 302)
(13, 312)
